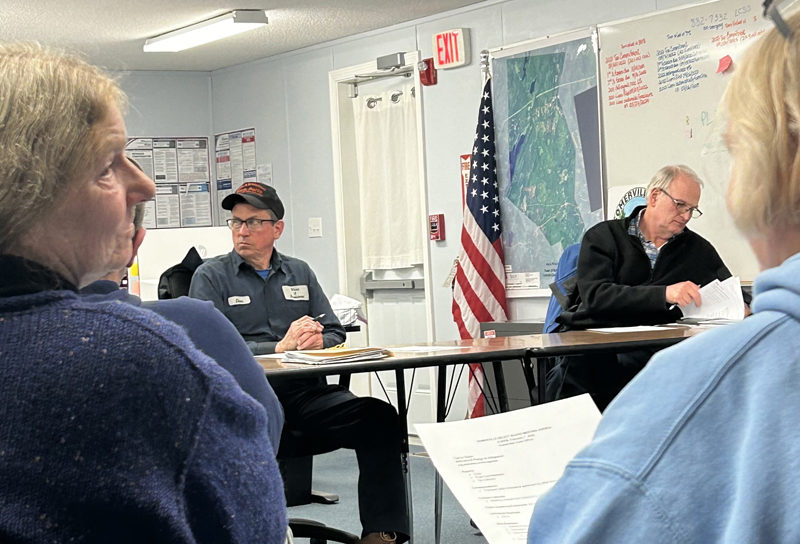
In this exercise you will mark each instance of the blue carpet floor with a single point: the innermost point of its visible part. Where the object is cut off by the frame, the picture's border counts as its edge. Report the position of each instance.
(336, 472)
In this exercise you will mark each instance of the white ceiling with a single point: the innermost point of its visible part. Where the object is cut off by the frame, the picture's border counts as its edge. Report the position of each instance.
(111, 33)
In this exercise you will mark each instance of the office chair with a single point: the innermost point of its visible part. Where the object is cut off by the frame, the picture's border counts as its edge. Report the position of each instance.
(295, 461)
(174, 281)
(564, 287)
(296, 470)
(319, 533)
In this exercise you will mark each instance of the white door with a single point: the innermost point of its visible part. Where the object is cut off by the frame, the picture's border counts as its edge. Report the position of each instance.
(395, 316)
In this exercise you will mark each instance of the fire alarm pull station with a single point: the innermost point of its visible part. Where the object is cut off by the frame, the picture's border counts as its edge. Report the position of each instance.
(427, 72)
(436, 226)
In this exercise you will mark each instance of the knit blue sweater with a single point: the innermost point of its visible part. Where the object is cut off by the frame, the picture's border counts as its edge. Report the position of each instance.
(211, 333)
(114, 428)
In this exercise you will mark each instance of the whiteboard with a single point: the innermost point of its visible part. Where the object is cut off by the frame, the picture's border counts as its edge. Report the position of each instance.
(662, 77)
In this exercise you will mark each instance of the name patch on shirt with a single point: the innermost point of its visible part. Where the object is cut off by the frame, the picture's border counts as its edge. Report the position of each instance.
(295, 292)
(238, 300)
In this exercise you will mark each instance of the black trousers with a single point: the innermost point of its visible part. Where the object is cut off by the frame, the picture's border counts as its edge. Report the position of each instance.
(602, 375)
(329, 417)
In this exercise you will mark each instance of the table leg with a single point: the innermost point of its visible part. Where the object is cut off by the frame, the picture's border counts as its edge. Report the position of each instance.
(530, 381)
(541, 374)
(500, 383)
(402, 411)
(441, 412)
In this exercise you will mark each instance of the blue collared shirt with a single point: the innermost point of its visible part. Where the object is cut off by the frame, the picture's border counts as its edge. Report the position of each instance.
(263, 309)
(649, 247)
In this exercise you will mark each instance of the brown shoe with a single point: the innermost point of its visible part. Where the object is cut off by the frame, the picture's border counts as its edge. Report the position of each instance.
(378, 538)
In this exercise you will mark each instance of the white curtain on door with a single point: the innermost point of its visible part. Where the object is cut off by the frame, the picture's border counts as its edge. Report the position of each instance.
(388, 171)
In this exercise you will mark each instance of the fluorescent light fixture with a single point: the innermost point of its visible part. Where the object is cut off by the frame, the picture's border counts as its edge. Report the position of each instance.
(216, 28)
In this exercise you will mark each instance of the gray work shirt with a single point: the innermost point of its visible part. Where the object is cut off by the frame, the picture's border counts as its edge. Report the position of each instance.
(263, 309)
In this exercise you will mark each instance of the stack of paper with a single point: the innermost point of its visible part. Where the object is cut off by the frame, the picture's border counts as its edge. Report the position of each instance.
(720, 300)
(334, 355)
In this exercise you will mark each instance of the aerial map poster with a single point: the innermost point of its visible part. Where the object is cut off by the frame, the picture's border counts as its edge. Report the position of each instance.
(548, 153)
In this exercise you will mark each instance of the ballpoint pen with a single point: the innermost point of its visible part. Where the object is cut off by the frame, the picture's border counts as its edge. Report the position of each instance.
(320, 316)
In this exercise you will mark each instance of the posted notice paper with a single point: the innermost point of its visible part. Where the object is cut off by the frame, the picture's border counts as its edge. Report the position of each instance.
(498, 466)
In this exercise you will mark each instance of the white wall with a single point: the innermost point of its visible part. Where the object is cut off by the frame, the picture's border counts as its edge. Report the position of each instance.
(286, 99)
(168, 103)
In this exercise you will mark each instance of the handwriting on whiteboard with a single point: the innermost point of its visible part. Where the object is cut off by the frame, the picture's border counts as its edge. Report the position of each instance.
(625, 74)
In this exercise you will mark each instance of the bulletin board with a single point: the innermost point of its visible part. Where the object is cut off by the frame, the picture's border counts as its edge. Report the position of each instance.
(235, 158)
(180, 169)
(662, 78)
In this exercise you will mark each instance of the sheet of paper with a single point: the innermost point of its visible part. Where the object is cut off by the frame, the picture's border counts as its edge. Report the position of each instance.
(334, 355)
(498, 466)
(422, 349)
(701, 322)
(640, 328)
(720, 299)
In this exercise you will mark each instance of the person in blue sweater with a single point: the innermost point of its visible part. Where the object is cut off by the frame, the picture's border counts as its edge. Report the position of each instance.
(210, 331)
(114, 427)
(714, 458)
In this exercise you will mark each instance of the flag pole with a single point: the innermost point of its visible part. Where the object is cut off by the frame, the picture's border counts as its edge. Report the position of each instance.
(485, 65)
(479, 293)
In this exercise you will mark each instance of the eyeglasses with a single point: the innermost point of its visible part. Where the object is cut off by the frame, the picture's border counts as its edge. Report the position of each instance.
(778, 12)
(683, 207)
(253, 224)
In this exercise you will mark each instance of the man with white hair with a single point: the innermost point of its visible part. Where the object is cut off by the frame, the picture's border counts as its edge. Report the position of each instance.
(636, 271)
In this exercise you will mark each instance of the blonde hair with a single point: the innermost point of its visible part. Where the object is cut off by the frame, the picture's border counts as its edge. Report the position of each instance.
(762, 105)
(51, 103)
(663, 178)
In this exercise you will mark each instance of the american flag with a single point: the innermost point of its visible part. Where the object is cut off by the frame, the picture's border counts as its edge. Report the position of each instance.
(479, 291)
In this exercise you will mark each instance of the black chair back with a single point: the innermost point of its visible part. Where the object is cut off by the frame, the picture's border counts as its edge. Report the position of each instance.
(175, 280)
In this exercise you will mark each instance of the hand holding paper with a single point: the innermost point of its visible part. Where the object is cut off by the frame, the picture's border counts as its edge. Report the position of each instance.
(683, 293)
(721, 300)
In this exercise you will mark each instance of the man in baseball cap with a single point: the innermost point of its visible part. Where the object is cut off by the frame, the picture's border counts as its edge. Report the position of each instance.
(277, 305)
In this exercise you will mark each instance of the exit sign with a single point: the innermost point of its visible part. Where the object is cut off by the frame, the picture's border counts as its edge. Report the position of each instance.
(451, 48)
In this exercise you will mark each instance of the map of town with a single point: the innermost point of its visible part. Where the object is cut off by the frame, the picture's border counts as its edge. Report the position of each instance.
(542, 179)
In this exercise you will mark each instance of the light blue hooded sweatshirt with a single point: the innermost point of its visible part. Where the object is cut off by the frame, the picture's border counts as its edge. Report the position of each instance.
(703, 446)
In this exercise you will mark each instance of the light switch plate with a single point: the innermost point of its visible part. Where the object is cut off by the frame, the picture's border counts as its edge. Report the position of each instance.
(315, 227)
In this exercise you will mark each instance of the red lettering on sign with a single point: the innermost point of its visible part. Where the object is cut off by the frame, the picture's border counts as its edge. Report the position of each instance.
(440, 48)
(448, 50)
